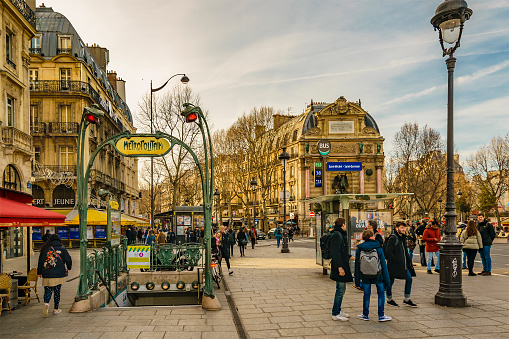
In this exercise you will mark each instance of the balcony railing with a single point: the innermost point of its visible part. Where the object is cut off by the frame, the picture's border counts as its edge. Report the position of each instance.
(68, 86)
(63, 51)
(10, 63)
(25, 11)
(63, 127)
(38, 128)
(35, 50)
(69, 169)
(13, 137)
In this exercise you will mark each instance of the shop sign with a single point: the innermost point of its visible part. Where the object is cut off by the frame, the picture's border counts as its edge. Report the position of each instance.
(63, 202)
(137, 146)
(344, 166)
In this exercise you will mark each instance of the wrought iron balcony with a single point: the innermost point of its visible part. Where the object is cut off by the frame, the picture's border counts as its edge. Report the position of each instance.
(25, 10)
(13, 137)
(35, 50)
(71, 169)
(63, 127)
(38, 128)
(10, 62)
(63, 51)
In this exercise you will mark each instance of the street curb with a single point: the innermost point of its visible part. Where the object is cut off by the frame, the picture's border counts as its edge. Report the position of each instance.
(241, 331)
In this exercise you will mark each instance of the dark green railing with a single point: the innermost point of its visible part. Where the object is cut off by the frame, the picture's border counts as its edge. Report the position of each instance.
(107, 264)
(179, 257)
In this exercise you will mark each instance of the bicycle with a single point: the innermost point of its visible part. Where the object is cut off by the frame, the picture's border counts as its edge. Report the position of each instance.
(217, 274)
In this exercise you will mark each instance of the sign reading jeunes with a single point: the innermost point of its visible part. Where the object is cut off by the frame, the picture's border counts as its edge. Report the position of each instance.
(344, 166)
(142, 146)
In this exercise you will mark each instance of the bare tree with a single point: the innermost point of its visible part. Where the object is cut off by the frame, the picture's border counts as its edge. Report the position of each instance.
(489, 168)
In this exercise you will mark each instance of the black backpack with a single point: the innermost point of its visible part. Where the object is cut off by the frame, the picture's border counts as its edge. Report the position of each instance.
(384, 247)
(325, 245)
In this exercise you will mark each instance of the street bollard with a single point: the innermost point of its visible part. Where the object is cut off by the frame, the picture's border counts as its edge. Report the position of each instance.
(285, 248)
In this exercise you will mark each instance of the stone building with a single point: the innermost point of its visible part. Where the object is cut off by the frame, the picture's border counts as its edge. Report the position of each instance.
(65, 77)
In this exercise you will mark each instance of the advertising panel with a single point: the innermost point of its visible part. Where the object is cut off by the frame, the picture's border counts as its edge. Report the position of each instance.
(36, 233)
(74, 232)
(138, 257)
(62, 232)
(100, 232)
(115, 228)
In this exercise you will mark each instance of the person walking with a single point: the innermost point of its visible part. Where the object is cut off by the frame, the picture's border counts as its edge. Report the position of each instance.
(472, 242)
(223, 248)
(340, 266)
(242, 241)
(399, 264)
(252, 234)
(54, 263)
(431, 236)
(488, 235)
(170, 236)
(419, 231)
(231, 240)
(372, 261)
(151, 238)
(140, 235)
(411, 240)
(161, 238)
(290, 234)
(278, 233)
(373, 225)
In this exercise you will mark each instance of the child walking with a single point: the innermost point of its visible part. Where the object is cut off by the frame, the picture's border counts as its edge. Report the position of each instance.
(370, 268)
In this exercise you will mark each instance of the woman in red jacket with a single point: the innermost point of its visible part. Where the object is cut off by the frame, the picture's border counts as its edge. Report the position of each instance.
(431, 236)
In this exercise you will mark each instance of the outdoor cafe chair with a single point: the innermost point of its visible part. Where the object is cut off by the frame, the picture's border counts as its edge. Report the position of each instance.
(5, 291)
(31, 284)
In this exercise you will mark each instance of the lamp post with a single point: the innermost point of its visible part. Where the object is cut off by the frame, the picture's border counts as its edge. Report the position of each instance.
(253, 186)
(284, 156)
(440, 210)
(459, 203)
(184, 80)
(216, 195)
(449, 19)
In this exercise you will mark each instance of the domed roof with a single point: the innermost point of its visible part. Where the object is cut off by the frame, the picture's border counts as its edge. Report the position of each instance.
(370, 122)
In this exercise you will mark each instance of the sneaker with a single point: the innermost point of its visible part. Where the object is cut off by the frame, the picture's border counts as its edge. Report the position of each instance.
(58, 311)
(384, 318)
(486, 273)
(343, 314)
(339, 317)
(409, 303)
(45, 310)
(392, 303)
(429, 272)
(363, 317)
(438, 271)
(230, 272)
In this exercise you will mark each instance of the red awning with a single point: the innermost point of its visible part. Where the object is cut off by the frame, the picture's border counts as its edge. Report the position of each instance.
(17, 214)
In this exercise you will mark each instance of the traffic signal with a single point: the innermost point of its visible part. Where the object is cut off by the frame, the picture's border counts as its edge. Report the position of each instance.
(92, 119)
(191, 117)
(190, 112)
(391, 206)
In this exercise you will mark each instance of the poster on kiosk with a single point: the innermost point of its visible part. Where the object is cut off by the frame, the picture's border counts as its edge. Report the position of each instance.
(113, 224)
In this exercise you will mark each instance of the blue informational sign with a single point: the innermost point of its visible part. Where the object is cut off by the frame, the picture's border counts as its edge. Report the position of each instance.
(318, 172)
(100, 232)
(74, 232)
(36, 233)
(344, 166)
(62, 232)
(318, 182)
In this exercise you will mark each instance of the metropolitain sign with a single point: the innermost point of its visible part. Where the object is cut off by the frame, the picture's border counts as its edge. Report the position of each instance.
(146, 146)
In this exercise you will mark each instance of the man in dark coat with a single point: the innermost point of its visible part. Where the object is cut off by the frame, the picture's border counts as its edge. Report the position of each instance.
(419, 231)
(399, 264)
(488, 235)
(340, 266)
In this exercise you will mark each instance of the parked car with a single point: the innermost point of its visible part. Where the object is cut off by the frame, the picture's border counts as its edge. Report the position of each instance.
(260, 235)
(271, 233)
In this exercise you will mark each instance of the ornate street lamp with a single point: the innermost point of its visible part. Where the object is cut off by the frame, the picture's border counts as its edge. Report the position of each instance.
(184, 80)
(448, 20)
(440, 211)
(253, 186)
(284, 156)
(216, 196)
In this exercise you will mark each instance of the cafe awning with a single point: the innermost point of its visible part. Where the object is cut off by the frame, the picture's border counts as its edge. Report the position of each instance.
(18, 214)
(94, 217)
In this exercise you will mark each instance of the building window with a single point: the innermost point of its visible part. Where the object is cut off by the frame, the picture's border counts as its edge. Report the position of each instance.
(37, 153)
(11, 178)
(10, 111)
(34, 119)
(294, 138)
(35, 44)
(292, 171)
(34, 78)
(64, 44)
(65, 113)
(9, 50)
(65, 78)
(66, 158)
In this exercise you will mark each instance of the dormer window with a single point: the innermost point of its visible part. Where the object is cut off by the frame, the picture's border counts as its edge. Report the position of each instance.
(64, 44)
(35, 44)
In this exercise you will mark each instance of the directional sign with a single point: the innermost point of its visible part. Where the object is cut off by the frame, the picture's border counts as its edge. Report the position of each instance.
(138, 257)
(146, 145)
(344, 166)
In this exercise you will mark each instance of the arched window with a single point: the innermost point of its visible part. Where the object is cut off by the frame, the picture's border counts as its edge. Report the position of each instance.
(11, 178)
(38, 194)
(63, 196)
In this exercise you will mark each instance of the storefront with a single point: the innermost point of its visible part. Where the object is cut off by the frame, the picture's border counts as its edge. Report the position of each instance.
(16, 221)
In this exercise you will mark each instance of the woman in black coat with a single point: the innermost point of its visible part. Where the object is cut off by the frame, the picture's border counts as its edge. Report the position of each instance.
(223, 248)
(54, 261)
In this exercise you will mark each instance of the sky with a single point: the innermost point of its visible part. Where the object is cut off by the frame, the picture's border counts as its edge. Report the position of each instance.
(242, 54)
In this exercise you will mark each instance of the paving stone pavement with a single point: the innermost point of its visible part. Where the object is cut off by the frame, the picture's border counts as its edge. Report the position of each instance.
(143, 322)
(286, 295)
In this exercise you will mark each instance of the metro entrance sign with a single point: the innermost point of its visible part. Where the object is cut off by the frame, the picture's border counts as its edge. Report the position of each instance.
(142, 146)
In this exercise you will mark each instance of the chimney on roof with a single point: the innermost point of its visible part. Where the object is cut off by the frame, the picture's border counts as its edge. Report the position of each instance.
(112, 78)
(101, 55)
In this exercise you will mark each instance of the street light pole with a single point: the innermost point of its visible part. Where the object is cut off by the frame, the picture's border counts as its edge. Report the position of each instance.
(253, 185)
(184, 80)
(449, 19)
(216, 195)
(284, 156)
(440, 210)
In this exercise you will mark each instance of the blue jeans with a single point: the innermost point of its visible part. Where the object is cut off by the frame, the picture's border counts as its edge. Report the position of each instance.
(278, 239)
(464, 260)
(430, 258)
(486, 258)
(411, 254)
(367, 296)
(338, 298)
(408, 285)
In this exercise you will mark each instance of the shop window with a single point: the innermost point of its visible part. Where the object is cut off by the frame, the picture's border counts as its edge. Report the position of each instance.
(11, 178)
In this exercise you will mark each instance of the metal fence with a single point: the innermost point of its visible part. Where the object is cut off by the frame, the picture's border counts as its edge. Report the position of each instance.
(179, 257)
(106, 265)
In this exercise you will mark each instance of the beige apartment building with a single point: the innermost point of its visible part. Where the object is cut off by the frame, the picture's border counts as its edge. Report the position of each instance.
(67, 75)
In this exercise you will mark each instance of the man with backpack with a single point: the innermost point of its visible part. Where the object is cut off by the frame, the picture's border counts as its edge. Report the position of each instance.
(337, 249)
(252, 233)
(399, 264)
(278, 233)
(370, 268)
